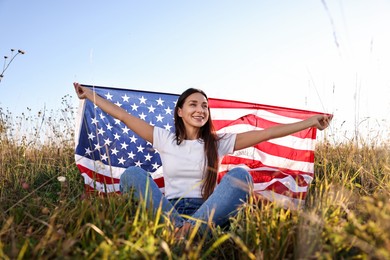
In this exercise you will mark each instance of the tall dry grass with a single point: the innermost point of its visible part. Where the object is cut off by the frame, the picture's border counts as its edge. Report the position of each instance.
(346, 214)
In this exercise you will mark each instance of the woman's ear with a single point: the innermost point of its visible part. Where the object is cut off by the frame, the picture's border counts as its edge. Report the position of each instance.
(179, 112)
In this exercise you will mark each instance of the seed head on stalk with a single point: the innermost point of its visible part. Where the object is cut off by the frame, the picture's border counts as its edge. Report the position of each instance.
(6, 64)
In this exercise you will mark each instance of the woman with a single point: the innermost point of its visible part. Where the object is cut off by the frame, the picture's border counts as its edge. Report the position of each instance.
(190, 157)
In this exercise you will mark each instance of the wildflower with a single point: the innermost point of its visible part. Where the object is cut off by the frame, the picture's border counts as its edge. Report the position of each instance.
(25, 186)
(61, 178)
(45, 211)
(29, 231)
(21, 52)
(61, 231)
(5, 57)
(83, 196)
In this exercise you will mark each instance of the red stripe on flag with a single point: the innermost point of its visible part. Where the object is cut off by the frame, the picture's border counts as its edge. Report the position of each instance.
(276, 186)
(160, 182)
(88, 189)
(97, 176)
(267, 176)
(253, 164)
(259, 122)
(110, 180)
(279, 188)
(282, 111)
(286, 152)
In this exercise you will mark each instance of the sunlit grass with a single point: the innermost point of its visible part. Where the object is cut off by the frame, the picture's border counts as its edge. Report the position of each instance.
(346, 214)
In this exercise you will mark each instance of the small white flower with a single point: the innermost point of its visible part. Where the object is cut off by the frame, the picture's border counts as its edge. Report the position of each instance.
(61, 178)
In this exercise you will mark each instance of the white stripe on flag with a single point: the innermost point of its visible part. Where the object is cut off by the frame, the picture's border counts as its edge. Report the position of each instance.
(283, 201)
(288, 141)
(271, 160)
(101, 168)
(288, 181)
(235, 113)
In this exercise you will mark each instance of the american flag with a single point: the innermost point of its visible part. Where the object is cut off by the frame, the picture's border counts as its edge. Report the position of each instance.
(282, 168)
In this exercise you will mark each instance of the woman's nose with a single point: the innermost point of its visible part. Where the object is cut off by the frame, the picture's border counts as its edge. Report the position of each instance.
(199, 109)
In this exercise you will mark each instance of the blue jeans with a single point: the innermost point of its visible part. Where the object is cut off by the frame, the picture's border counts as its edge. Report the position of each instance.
(231, 192)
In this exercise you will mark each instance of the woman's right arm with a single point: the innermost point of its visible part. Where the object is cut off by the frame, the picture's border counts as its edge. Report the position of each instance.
(137, 125)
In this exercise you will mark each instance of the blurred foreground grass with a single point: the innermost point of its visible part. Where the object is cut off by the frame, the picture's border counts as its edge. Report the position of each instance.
(346, 216)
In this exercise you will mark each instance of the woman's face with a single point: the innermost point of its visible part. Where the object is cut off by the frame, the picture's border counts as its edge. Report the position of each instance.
(194, 111)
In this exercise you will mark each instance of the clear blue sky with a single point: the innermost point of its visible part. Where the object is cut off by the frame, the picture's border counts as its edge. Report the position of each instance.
(300, 54)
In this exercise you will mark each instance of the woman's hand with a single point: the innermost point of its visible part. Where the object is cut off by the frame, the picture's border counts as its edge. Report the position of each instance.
(139, 126)
(321, 121)
(81, 92)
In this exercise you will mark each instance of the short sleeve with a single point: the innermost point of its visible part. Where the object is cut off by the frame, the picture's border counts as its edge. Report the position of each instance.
(161, 137)
(226, 143)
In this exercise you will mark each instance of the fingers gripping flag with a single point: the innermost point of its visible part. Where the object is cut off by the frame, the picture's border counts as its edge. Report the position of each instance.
(282, 168)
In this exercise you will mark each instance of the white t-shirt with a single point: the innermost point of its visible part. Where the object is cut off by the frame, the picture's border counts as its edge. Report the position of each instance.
(183, 164)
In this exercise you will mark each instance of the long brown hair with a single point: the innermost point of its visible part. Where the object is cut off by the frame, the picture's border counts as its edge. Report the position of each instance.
(209, 137)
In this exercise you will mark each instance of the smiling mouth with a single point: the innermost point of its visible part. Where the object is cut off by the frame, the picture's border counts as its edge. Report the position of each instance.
(198, 117)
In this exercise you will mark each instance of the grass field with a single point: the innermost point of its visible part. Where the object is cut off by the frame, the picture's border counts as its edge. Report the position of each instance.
(346, 216)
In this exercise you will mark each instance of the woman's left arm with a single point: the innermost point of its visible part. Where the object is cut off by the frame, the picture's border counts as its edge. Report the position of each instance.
(250, 138)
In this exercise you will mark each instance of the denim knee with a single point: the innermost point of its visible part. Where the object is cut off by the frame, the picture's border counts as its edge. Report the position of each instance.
(241, 174)
(131, 177)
